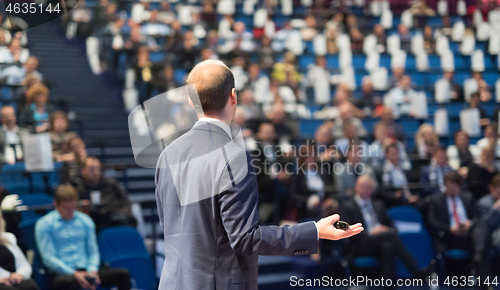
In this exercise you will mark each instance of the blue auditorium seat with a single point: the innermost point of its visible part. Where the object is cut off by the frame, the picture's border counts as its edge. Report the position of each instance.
(455, 48)
(309, 47)
(248, 20)
(432, 78)
(460, 77)
(432, 109)
(434, 21)
(179, 75)
(418, 242)
(366, 262)
(157, 56)
(306, 60)
(418, 79)
(490, 78)
(410, 125)
(308, 127)
(32, 199)
(411, 64)
(461, 62)
(123, 247)
(27, 232)
(385, 61)
(332, 61)
(489, 62)
(434, 62)
(358, 61)
(359, 77)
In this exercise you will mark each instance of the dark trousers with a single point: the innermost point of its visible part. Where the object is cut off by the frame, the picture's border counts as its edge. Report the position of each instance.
(387, 246)
(24, 285)
(109, 277)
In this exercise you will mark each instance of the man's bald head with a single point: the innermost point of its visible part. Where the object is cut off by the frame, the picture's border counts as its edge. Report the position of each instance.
(214, 82)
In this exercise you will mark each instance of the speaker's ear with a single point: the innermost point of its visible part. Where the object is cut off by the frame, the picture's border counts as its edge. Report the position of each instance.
(28, 14)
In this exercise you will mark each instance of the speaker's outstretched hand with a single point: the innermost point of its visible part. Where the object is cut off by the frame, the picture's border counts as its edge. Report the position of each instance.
(328, 232)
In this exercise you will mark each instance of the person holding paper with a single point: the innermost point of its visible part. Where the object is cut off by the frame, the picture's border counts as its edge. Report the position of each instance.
(475, 102)
(432, 176)
(491, 139)
(459, 155)
(456, 92)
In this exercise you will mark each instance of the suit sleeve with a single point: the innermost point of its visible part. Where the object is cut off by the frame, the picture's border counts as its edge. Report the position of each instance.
(240, 218)
(438, 227)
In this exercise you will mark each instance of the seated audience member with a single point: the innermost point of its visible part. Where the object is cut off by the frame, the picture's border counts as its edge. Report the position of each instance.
(310, 30)
(490, 139)
(475, 103)
(59, 134)
(432, 176)
(450, 215)
(324, 144)
(376, 150)
(380, 238)
(343, 96)
(395, 130)
(36, 113)
(68, 246)
(15, 75)
(250, 108)
(15, 271)
(379, 33)
(395, 180)
(28, 82)
(356, 40)
(405, 37)
(487, 224)
(260, 84)
(279, 121)
(456, 90)
(397, 74)
(481, 174)
(11, 135)
(70, 171)
(12, 53)
(400, 98)
(320, 79)
(267, 163)
(164, 80)
(426, 142)
(345, 115)
(311, 189)
(459, 156)
(429, 40)
(345, 179)
(368, 102)
(350, 137)
(113, 206)
(477, 84)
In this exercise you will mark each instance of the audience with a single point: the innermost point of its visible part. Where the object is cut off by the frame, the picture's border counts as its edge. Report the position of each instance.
(70, 170)
(395, 180)
(15, 270)
(59, 133)
(109, 203)
(450, 215)
(432, 176)
(11, 137)
(380, 238)
(345, 116)
(68, 246)
(377, 148)
(36, 113)
(400, 98)
(481, 174)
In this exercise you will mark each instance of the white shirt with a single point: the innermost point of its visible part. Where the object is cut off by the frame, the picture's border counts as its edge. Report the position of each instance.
(219, 123)
(22, 265)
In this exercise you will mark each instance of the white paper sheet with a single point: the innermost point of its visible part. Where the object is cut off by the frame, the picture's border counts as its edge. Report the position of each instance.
(468, 45)
(386, 19)
(494, 44)
(483, 31)
(477, 60)
(461, 8)
(38, 152)
(458, 31)
(422, 61)
(441, 122)
(419, 105)
(447, 61)
(319, 44)
(417, 43)
(442, 7)
(398, 59)
(407, 19)
(442, 44)
(470, 87)
(393, 43)
(260, 17)
(442, 91)
(469, 122)
(379, 78)
(369, 44)
(372, 61)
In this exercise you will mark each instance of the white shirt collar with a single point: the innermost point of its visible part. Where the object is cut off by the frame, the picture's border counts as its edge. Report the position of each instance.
(219, 123)
(6, 129)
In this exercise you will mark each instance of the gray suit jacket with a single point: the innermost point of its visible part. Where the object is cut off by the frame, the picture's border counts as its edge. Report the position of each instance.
(206, 193)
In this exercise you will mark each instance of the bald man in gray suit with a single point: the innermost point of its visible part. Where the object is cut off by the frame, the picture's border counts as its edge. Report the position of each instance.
(206, 193)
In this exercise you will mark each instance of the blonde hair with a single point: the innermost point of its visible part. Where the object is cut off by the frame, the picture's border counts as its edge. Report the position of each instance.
(35, 89)
(3, 241)
(419, 137)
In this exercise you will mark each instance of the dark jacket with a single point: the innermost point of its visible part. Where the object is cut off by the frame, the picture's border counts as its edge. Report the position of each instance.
(207, 198)
(439, 216)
